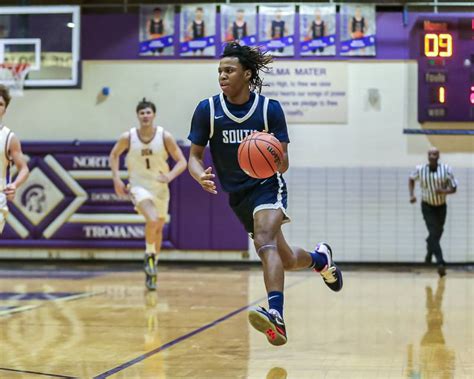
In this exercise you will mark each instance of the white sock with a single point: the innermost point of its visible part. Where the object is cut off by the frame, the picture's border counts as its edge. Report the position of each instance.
(150, 248)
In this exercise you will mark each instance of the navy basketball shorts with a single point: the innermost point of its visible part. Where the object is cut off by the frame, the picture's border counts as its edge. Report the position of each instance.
(270, 193)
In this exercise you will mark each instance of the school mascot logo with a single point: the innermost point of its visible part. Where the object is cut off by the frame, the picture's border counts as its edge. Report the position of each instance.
(38, 197)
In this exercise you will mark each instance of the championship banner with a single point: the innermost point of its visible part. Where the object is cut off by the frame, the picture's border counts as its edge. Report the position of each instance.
(239, 23)
(309, 91)
(156, 30)
(358, 30)
(318, 30)
(198, 30)
(277, 29)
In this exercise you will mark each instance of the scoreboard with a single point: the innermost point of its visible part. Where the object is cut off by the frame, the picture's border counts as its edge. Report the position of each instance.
(444, 49)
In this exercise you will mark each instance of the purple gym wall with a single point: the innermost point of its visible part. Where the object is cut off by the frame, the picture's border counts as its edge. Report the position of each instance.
(103, 40)
(66, 173)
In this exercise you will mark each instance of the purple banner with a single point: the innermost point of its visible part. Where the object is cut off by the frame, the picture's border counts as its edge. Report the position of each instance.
(249, 40)
(111, 231)
(84, 160)
(157, 43)
(358, 43)
(197, 44)
(69, 201)
(318, 42)
(278, 43)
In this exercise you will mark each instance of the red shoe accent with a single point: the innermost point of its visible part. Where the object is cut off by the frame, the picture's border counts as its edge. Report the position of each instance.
(271, 334)
(280, 330)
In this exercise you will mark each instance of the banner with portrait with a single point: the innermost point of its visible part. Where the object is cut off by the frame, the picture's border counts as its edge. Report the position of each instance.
(357, 30)
(197, 36)
(276, 30)
(239, 23)
(156, 32)
(317, 30)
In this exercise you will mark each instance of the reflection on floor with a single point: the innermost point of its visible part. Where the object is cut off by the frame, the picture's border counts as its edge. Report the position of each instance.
(101, 323)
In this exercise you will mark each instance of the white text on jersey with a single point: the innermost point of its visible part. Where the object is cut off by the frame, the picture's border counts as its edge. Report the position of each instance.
(235, 136)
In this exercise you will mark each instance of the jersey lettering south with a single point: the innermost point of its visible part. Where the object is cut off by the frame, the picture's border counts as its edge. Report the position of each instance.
(227, 131)
(146, 159)
(5, 137)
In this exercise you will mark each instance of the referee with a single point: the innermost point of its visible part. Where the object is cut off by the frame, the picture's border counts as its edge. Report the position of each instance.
(436, 181)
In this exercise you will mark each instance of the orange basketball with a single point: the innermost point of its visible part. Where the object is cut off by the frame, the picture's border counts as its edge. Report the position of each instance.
(259, 155)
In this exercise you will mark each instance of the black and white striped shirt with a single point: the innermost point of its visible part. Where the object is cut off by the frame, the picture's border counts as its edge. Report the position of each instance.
(430, 181)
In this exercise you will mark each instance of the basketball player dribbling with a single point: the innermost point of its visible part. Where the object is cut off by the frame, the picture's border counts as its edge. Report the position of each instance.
(260, 204)
(149, 175)
(10, 151)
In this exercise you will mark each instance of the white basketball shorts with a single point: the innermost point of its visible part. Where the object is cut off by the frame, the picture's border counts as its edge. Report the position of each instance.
(158, 196)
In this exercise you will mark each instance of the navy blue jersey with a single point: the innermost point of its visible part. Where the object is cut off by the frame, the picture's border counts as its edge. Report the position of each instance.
(278, 29)
(239, 32)
(317, 29)
(358, 25)
(225, 125)
(156, 27)
(198, 29)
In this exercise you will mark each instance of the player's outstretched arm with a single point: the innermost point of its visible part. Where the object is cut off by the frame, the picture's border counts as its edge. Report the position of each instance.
(20, 162)
(114, 161)
(175, 151)
(204, 177)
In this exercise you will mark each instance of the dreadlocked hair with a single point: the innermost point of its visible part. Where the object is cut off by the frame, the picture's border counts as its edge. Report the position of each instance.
(251, 58)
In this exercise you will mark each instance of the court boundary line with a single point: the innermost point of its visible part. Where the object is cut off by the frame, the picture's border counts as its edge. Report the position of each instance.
(31, 307)
(38, 373)
(184, 337)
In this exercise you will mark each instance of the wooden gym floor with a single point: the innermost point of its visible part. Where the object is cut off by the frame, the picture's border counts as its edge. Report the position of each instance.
(99, 322)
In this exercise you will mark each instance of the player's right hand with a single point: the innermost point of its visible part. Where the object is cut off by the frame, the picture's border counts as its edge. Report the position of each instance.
(120, 188)
(10, 191)
(412, 199)
(206, 181)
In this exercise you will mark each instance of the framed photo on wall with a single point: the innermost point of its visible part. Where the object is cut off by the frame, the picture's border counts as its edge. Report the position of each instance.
(277, 29)
(317, 30)
(156, 32)
(358, 30)
(239, 23)
(197, 30)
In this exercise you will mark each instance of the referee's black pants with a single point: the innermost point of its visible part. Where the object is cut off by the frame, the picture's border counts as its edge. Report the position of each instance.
(434, 216)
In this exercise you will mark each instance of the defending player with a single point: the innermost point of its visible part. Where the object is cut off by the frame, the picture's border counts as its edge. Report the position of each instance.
(10, 151)
(149, 175)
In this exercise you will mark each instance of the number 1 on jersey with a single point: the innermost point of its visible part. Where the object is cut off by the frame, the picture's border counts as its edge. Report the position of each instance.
(147, 163)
